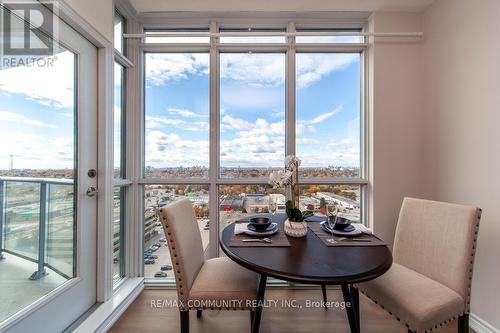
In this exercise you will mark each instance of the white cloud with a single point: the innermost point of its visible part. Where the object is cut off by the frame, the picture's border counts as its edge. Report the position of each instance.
(47, 85)
(313, 67)
(161, 68)
(260, 144)
(256, 144)
(341, 151)
(253, 69)
(250, 68)
(324, 116)
(156, 122)
(33, 151)
(16, 117)
(164, 150)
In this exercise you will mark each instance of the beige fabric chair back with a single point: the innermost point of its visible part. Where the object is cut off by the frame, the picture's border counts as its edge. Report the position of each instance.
(184, 241)
(438, 240)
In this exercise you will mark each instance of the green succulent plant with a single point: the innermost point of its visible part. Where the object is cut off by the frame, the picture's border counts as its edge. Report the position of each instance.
(294, 214)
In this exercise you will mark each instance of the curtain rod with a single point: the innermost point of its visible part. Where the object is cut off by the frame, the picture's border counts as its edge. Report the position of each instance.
(274, 33)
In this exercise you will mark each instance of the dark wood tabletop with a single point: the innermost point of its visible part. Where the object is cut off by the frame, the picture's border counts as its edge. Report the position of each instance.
(308, 260)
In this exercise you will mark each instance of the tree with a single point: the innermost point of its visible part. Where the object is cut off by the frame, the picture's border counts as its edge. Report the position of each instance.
(349, 195)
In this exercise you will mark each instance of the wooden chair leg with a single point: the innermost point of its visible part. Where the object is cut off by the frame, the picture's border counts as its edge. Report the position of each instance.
(184, 321)
(323, 289)
(252, 315)
(463, 323)
(198, 313)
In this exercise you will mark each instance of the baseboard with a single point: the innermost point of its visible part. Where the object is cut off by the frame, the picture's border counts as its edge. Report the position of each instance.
(479, 325)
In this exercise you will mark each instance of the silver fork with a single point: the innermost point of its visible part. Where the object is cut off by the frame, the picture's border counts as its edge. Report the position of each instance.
(264, 240)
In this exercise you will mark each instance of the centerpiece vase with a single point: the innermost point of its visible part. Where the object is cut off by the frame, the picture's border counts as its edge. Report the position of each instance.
(295, 229)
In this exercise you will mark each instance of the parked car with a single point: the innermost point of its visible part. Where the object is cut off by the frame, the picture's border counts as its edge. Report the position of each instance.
(149, 261)
(161, 275)
(115, 260)
(153, 256)
(166, 267)
(162, 240)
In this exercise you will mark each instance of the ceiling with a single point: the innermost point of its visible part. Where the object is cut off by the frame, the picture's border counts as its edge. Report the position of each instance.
(143, 6)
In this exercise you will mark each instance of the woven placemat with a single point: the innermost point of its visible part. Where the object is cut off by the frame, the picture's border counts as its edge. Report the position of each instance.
(278, 240)
(372, 240)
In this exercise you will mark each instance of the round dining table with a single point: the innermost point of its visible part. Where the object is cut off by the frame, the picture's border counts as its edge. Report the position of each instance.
(309, 261)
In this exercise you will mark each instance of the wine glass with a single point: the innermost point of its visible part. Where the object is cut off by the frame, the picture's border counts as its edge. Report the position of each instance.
(331, 220)
(272, 208)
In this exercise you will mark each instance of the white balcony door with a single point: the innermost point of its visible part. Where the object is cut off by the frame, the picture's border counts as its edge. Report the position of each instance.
(60, 106)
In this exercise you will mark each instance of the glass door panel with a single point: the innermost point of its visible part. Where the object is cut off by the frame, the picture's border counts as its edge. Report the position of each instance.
(47, 129)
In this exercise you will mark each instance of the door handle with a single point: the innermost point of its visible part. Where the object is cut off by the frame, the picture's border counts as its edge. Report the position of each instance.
(91, 191)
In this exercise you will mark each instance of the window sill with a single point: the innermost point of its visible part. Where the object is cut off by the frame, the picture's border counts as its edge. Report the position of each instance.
(107, 313)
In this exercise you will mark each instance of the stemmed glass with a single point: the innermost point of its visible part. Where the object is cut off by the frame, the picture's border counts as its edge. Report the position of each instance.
(331, 220)
(272, 208)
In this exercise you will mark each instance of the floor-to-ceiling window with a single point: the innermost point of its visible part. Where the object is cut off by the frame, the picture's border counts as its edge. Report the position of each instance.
(223, 110)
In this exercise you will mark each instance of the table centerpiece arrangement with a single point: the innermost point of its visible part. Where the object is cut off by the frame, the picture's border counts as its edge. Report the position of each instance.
(294, 226)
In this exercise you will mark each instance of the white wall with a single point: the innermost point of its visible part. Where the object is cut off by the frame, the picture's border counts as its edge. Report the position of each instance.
(396, 117)
(99, 13)
(461, 127)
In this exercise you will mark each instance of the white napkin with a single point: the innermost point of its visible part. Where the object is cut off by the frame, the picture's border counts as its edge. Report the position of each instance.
(240, 228)
(362, 228)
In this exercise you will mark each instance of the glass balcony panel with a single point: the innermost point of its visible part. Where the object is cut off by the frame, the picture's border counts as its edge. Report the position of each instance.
(60, 249)
(22, 218)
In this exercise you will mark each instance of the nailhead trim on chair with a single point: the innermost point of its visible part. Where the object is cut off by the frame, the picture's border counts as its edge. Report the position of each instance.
(473, 252)
(173, 252)
(467, 305)
(406, 324)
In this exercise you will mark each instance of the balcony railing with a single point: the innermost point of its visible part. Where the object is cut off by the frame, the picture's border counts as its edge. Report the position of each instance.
(37, 223)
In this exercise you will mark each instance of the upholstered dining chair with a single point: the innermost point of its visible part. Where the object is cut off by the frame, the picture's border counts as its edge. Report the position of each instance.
(217, 283)
(429, 283)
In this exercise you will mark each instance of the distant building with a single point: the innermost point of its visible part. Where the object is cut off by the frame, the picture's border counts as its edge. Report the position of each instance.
(280, 200)
(232, 202)
(338, 200)
(305, 201)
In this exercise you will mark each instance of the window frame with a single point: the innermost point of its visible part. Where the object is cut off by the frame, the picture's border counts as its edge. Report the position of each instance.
(123, 182)
(290, 48)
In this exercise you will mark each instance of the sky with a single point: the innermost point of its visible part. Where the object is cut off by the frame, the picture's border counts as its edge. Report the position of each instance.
(252, 109)
(37, 111)
(37, 115)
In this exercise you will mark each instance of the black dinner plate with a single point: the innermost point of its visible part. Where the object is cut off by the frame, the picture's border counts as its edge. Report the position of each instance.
(272, 226)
